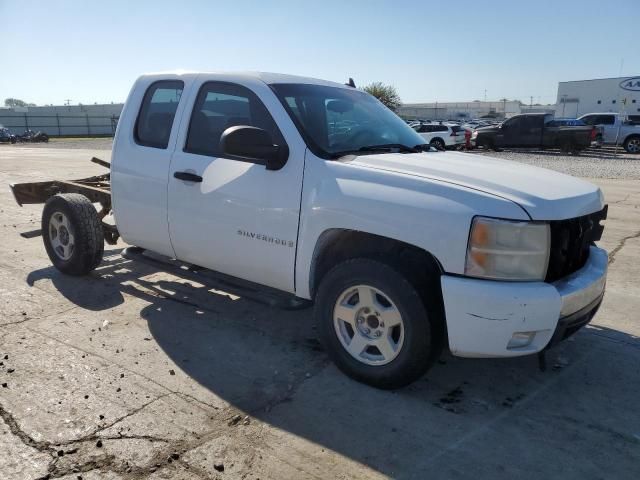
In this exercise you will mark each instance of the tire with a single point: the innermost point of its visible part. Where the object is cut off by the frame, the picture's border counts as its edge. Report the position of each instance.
(72, 233)
(632, 144)
(566, 146)
(416, 339)
(438, 143)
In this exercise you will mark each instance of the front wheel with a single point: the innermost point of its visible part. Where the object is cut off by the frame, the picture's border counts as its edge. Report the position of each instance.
(72, 233)
(374, 324)
(438, 144)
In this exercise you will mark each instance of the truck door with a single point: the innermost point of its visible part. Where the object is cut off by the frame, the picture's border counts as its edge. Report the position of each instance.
(606, 122)
(509, 132)
(522, 131)
(610, 129)
(140, 164)
(533, 130)
(237, 217)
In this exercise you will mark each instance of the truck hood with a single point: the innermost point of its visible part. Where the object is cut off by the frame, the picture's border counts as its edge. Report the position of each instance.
(544, 194)
(488, 129)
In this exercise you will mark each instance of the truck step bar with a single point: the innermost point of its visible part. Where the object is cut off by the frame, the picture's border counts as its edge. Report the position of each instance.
(219, 281)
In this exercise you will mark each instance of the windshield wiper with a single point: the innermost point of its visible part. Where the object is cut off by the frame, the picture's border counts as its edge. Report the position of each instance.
(389, 147)
(386, 147)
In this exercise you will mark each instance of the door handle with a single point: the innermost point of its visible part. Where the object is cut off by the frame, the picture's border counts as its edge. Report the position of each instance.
(187, 177)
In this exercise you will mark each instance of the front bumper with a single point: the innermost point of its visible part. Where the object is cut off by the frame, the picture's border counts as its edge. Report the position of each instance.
(483, 315)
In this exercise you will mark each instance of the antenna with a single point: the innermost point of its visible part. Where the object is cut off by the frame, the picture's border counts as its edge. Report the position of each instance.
(351, 83)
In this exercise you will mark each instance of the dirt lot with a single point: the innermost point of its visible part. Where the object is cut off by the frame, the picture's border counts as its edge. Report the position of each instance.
(134, 373)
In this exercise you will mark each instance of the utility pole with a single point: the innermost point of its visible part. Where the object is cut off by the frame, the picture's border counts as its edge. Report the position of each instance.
(485, 94)
(67, 102)
(531, 101)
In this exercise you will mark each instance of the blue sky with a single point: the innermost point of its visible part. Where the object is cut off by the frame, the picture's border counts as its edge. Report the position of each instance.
(430, 50)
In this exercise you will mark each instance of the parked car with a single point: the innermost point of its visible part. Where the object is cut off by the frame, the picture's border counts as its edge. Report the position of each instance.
(534, 130)
(404, 250)
(6, 136)
(621, 129)
(440, 135)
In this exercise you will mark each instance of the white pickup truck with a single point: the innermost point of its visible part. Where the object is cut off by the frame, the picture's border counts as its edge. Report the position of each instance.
(404, 249)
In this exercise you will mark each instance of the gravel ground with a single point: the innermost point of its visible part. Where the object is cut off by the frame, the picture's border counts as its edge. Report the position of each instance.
(66, 143)
(592, 163)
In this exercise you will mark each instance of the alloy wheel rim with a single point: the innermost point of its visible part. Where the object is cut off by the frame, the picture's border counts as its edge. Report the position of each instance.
(634, 145)
(368, 325)
(61, 236)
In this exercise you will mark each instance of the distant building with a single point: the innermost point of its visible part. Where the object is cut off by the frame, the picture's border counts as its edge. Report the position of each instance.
(459, 110)
(620, 94)
(65, 120)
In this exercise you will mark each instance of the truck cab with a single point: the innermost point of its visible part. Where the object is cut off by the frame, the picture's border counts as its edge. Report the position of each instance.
(534, 130)
(317, 190)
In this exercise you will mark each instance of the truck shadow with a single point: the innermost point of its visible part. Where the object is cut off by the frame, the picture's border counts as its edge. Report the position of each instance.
(268, 363)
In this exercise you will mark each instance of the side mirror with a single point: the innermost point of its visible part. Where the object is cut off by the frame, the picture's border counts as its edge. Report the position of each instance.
(253, 144)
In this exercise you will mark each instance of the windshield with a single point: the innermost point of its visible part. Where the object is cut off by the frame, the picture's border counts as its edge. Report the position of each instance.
(338, 121)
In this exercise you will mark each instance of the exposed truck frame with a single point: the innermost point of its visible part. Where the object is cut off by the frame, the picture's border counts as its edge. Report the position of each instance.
(97, 189)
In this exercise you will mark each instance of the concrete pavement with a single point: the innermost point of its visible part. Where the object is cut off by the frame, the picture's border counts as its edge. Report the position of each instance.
(135, 373)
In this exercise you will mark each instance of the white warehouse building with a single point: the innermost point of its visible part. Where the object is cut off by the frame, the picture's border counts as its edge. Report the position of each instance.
(620, 94)
(459, 110)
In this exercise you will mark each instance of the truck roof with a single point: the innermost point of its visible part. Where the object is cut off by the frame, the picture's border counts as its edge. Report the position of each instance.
(604, 113)
(266, 77)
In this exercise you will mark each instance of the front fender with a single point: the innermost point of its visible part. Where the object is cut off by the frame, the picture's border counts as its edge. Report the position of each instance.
(429, 214)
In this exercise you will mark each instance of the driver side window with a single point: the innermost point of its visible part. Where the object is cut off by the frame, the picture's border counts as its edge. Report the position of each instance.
(221, 105)
(514, 123)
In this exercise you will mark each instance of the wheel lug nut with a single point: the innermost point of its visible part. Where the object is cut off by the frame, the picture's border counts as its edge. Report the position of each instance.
(366, 310)
(367, 331)
(360, 319)
(381, 325)
(378, 333)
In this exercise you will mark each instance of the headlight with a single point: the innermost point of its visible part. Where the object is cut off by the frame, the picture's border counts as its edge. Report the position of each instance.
(507, 250)
(474, 134)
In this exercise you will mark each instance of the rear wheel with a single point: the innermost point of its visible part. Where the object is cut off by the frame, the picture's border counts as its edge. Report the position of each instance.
(567, 146)
(374, 324)
(72, 233)
(632, 144)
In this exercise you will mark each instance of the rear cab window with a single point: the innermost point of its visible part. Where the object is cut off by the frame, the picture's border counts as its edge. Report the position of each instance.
(157, 112)
(599, 119)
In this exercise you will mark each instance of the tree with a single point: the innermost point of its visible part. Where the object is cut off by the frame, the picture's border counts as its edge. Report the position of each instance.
(16, 102)
(387, 94)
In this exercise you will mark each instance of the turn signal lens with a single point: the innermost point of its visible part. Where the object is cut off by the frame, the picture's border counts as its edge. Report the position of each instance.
(508, 250)
(521, 339)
